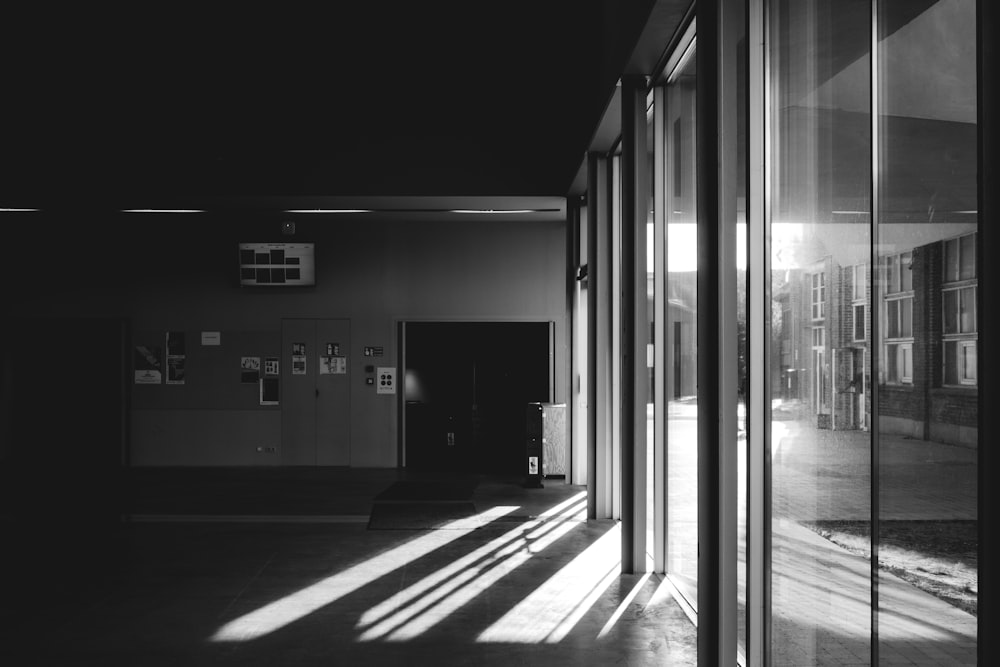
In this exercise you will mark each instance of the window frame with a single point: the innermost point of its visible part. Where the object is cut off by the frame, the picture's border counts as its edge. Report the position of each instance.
(954, 370)
(817, 296)
(859, 299)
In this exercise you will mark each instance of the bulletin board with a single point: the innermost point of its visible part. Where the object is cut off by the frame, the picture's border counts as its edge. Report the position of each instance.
(213, 375)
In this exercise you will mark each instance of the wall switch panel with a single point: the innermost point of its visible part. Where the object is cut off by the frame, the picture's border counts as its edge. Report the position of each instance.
(386, 380)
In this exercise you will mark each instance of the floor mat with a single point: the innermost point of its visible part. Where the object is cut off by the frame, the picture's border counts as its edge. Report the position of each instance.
(428, 490)
(423, 516)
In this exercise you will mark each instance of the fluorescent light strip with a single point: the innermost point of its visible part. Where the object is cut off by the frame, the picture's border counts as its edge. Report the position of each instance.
(489, 211)
(328, 210)
(162, 210)
(19, 210)
(467, 211)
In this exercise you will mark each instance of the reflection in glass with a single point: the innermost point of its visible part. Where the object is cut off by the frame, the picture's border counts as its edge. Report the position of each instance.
(926, 296)
(680, 354)
(739, 228)
(651, 278)
(820, 383)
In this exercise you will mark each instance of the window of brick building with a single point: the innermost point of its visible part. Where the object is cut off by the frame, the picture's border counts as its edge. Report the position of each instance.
(959, 323)
(898, 312)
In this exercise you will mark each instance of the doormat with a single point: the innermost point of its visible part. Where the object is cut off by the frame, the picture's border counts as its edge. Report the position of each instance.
(428, 490)
(423, 516)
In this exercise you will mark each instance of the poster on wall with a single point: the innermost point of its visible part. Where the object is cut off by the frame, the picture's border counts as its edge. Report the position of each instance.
(331, 365)
(298, 358)
(249, 369)
(271, 367)
(176, 357)
(147, 364)
(175, 370)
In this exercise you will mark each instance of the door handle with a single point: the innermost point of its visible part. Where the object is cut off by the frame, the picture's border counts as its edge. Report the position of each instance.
(317, 393)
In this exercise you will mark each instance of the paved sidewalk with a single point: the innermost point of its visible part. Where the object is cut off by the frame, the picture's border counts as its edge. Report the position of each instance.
(822, 593)
(822, 474)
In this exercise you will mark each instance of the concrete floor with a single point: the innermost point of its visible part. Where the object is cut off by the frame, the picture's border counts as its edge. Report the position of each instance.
(301, 581)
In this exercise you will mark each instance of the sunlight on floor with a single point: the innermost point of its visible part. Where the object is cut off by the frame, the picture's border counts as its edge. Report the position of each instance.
(419, 607)
(555, 607)
(291, 608)
(623, 606)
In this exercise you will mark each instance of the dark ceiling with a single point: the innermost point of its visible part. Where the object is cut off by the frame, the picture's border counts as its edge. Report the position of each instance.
(440, 98)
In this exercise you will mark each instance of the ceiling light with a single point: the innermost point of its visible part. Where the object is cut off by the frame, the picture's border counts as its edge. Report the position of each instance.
(162, 210)
(492, 210)
(328, 210)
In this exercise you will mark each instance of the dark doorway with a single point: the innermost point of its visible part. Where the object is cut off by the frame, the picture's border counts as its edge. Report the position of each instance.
(467, 387)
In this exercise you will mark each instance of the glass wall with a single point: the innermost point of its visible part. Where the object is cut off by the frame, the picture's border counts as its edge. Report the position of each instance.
(874, 331)
(866, 238)
(650, 325)
(681, 307)
(925, 301)
(820, 222)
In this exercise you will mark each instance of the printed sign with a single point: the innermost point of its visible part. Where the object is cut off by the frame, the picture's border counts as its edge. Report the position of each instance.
(298, 358)
(330, 365)
(249, 369)
(147, 365)
(176, 356)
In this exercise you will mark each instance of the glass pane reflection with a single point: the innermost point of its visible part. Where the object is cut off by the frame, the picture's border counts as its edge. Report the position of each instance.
(820, 384)
(680, 354)
(927, 417)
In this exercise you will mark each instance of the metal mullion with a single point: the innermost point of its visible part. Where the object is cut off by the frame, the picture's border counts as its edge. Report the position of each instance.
(659, 337)
(633, 306)
(986, 23)
(758, 334)
(594, 271)
(876, 345)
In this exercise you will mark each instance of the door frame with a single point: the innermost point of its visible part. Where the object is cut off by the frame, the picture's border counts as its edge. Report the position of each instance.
(401, 364)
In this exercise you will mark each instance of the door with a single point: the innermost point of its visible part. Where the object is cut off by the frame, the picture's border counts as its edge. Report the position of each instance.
(315, 405)
(468, 385)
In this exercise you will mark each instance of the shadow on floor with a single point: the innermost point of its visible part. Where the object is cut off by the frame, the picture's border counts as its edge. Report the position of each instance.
(543, 589)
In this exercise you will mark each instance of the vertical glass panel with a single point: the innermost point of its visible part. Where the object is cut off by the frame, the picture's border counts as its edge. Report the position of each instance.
(616, 343)
(819, 224)
(650, 341)
(928, 421)
(681, 314)
(742, 349)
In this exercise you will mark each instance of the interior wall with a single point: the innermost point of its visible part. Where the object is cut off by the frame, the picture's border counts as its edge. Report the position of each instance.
(172, 272)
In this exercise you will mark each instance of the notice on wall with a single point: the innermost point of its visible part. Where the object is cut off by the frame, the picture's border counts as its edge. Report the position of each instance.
(271, 367)
(175, 370)
(249, 369)
(176, 356)
(298, 358)
(148, 365)
(332, 365)
(333, 349)
(269, 391)
(211, 338)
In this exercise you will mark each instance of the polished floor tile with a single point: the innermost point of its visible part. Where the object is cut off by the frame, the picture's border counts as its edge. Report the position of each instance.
(531, 583)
